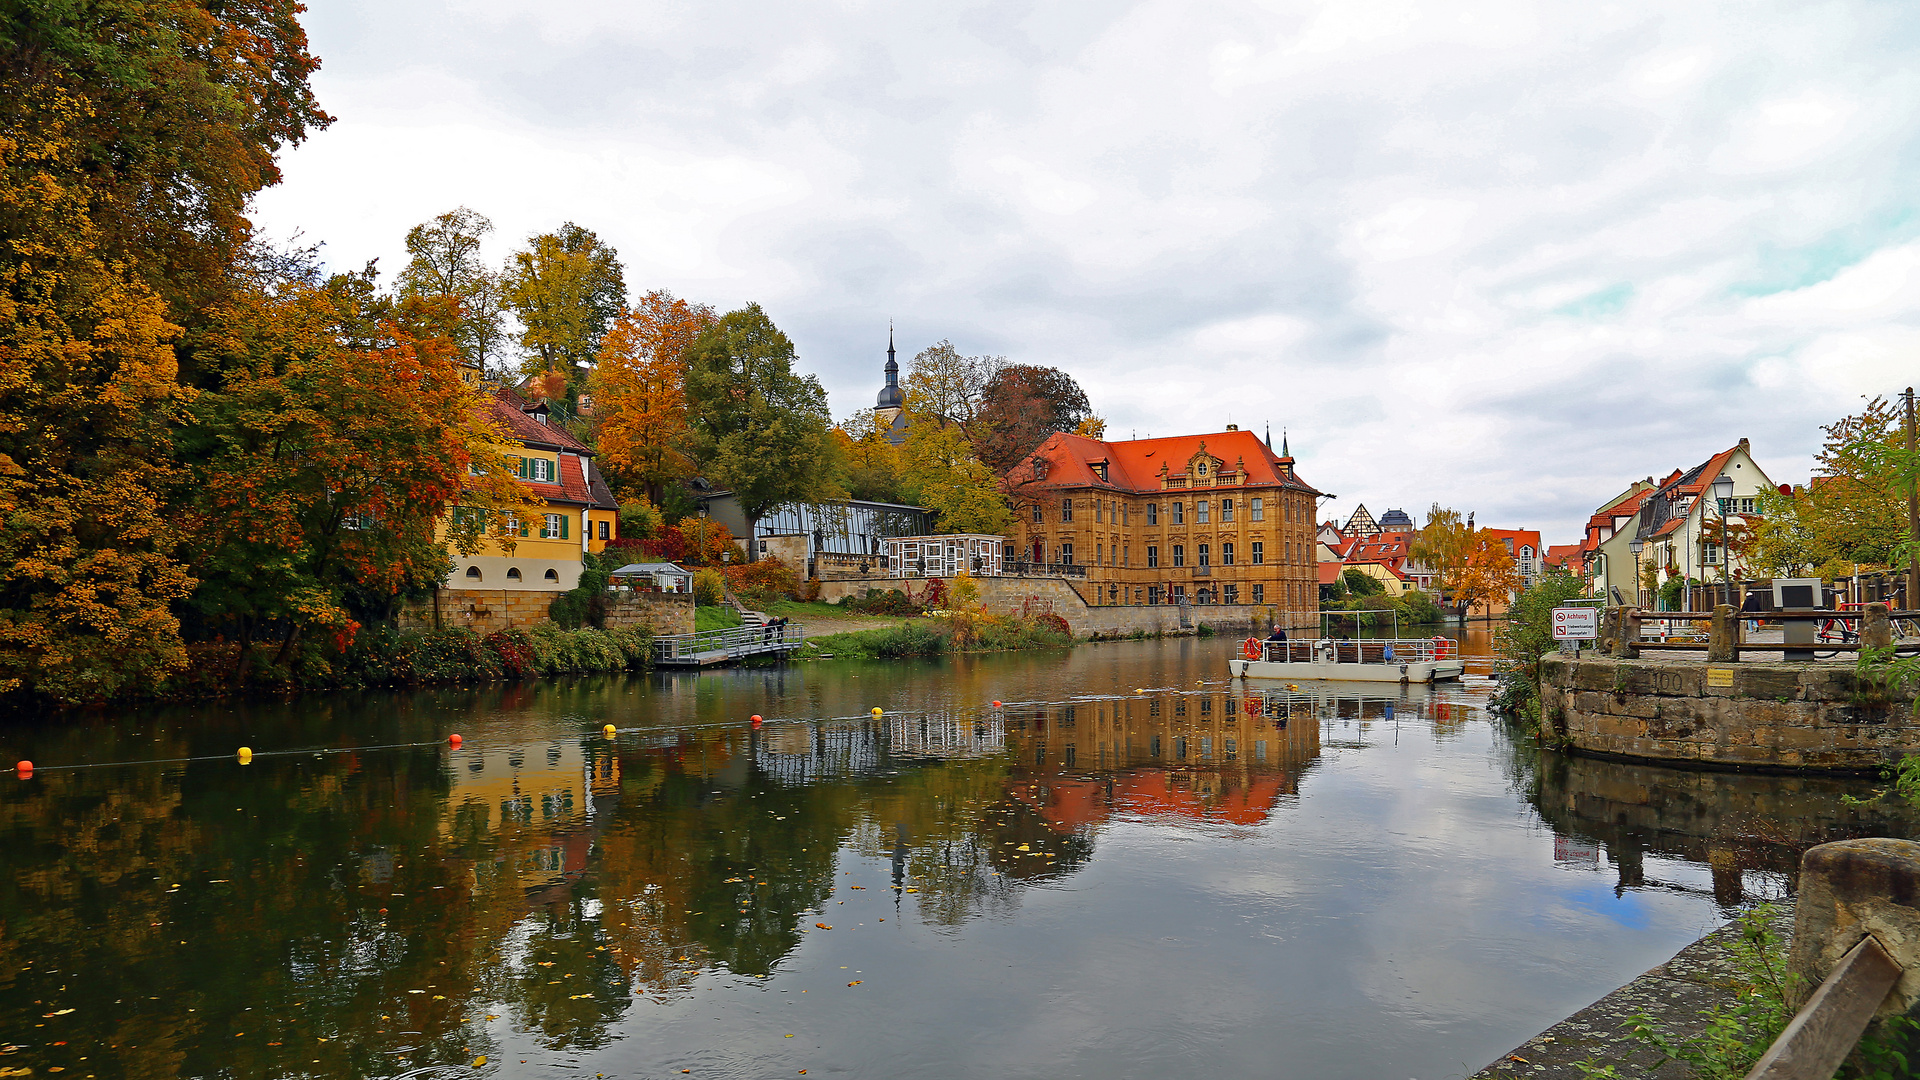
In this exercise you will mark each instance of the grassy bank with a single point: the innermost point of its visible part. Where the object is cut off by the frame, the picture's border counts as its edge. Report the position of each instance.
(937, 636)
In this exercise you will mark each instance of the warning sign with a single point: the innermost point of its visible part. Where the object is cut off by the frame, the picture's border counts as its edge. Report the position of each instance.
(1719, 676)
(1575, 624)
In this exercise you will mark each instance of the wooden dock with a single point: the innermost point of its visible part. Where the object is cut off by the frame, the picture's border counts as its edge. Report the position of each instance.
(716, 647)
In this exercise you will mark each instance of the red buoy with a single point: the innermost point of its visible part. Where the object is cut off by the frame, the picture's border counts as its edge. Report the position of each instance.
(996, 704)
(24, 770)
(454, 741)
(756, 719)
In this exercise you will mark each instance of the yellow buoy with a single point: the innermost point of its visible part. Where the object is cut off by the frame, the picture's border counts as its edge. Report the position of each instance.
(245, 755)
(876, 710)
(608, 731)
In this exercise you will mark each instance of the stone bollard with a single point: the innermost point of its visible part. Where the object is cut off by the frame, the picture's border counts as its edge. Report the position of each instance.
(1723, 636)
(1609, 631)
(1627, 645)
(1848, 890)
(1875, 629)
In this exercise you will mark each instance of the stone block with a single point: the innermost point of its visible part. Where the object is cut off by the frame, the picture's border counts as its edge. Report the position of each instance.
(1767, 682)
(1666, 680)
(1851, 889)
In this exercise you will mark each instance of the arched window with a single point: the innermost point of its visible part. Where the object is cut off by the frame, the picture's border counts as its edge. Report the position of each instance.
(473, 573)
(553, 575)
(513, 573)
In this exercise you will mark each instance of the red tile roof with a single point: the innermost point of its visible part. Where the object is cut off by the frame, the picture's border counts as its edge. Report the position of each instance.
(1567, 555)
(1135, 464)
(509, 411)
(1330, 572)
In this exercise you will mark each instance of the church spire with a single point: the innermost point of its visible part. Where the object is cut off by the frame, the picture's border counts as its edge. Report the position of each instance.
(1269, 437)
(1284, 452)
(890, 397)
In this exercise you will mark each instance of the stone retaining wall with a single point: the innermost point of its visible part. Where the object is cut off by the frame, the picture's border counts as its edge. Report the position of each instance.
(480, 610)
(1010, 595)
(1780, 715)
(665, 613)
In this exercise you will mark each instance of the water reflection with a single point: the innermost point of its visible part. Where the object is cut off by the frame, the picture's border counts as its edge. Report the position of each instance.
(364, 901)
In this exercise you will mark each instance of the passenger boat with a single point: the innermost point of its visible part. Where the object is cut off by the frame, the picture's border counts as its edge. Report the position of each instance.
(1388, 660)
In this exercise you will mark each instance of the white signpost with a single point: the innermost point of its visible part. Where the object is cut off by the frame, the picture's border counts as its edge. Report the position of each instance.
(1575, 624)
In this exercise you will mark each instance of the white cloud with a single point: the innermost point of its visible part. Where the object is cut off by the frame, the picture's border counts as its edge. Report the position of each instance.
(1478, 253)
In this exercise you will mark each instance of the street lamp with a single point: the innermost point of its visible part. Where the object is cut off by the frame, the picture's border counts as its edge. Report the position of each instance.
(1636, 546)
(1723, 498)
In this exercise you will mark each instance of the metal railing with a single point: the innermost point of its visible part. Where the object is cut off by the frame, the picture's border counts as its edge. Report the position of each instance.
(1365, 651)
(734, 643)
(1018, 568)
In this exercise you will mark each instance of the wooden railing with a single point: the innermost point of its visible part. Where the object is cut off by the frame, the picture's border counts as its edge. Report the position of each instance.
(1829, 1025)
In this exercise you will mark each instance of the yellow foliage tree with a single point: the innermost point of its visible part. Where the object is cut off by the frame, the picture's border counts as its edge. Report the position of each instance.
(941, 472)
(88, 394)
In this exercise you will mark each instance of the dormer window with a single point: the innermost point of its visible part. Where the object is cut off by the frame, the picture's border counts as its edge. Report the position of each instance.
(1200, 468)
(1100, 470)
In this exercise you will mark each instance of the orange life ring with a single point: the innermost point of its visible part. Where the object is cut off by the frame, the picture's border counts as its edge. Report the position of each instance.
(1441, 646)
(1250, 649)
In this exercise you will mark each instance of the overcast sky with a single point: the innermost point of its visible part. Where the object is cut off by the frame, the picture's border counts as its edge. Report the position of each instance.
(1503, 256)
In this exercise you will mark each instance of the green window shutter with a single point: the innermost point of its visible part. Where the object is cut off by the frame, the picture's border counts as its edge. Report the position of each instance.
(563, 525)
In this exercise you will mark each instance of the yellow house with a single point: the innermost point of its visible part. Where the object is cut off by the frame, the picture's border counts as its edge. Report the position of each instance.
(574, 510)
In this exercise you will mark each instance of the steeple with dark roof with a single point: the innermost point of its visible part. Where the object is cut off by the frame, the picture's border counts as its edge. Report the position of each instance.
(890, 394)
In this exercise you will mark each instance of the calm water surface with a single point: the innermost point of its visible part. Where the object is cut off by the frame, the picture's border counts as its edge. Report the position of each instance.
(1133, 868)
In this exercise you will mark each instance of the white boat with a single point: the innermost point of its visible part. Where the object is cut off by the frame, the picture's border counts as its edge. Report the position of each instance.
(1387, 660)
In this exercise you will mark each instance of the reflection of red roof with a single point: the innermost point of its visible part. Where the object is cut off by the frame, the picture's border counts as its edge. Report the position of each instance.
(1070, 805)
(1154, 793)
(1136, 464)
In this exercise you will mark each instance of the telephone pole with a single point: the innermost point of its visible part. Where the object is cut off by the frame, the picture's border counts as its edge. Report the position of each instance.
(1913, 510)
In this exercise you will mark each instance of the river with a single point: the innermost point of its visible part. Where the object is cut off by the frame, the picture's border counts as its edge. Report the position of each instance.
(1131, 868)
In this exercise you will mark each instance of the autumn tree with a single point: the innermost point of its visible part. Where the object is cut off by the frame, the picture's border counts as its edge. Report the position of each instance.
(1854, 509)
(88, 398)
(940, 471)
(757, 426)
(873, 462)
(640, 393)
(335, 471)
(1021, 405)
(566, 288)
(940, 381)
(1441, 546)
(446, 265)
(132, 136)
(1487, 571)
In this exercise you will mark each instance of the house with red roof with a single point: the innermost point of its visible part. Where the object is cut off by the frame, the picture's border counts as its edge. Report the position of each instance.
(1218, 518)
(574, 510)
(1657, 531)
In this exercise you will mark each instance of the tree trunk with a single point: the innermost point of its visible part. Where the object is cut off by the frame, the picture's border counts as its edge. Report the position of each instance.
(286, 647)
(240, 662)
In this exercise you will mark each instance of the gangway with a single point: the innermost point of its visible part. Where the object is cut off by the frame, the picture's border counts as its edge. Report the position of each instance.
(715, 647)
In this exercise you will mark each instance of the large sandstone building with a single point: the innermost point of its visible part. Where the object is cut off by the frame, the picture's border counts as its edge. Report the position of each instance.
(1206, 519)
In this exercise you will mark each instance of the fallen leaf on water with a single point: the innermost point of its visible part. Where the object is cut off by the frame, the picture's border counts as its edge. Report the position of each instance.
(859, 886)
(479, 1061)
(543, 963)
(1022, 847)
(439, 997)
(823, 926)
(788, 1036)
(856, 982)
(416, 991)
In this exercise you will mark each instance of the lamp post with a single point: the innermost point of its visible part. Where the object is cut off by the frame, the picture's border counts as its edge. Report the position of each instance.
(1636, 546)
(1723, 498)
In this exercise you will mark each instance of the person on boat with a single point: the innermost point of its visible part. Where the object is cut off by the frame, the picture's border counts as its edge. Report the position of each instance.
(1277, 635)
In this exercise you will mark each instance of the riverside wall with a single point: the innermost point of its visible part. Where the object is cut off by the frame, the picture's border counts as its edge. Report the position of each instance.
(485, 611)
(1011, 596)
(1771, 715)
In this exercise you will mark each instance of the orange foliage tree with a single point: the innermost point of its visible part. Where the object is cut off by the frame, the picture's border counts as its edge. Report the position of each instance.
(640, 392)
(1487, 572)
(329, 470)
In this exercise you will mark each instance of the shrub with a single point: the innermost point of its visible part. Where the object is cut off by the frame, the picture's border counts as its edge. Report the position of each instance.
(935, 596)
(515, 649)
(879, 602)
(586, 603)
(709, 586)
(639, 520)
(764, 580)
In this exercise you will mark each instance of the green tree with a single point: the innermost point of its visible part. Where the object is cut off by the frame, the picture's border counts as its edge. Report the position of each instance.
(1527, 635)
(566, 288)
(1361, 583)
(446, 265)
(873, 462)
(757, 426)
(942, 382)
(941, 472)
